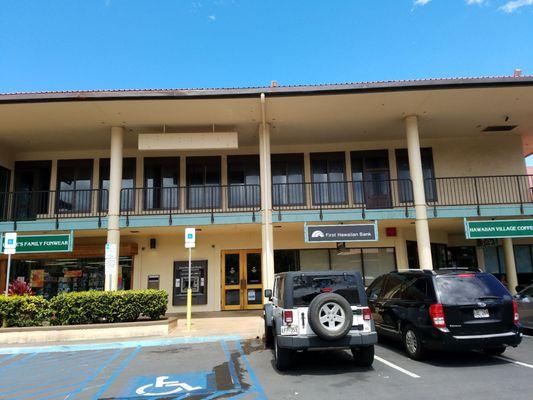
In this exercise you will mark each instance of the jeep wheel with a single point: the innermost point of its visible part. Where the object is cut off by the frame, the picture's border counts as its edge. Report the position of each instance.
(412, 343)
(283, 357)
(330, 316)
(363, 356)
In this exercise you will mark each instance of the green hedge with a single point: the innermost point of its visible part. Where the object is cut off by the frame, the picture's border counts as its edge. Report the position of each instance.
(24, 310)
(77, 308)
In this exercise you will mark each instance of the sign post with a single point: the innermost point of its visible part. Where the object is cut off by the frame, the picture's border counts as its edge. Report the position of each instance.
(10, 247)
(190, 243)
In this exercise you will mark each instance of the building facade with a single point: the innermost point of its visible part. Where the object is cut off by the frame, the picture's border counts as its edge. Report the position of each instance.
(250, 168)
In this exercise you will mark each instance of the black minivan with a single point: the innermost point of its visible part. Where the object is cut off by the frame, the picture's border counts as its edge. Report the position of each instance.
(444, 310)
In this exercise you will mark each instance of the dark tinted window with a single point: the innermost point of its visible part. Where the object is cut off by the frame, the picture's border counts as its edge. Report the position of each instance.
(428, 171)
(375, 288)
(307, 287)
(393, 286)
(467, 288)
(417, 289)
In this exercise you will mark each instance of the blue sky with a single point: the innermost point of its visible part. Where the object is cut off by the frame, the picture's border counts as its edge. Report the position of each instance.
(105, 44)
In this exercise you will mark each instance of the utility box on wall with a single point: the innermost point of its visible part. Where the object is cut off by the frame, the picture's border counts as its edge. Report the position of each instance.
(181, 282)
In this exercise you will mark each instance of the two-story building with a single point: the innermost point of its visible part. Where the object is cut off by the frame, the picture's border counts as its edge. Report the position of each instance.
(250, 168)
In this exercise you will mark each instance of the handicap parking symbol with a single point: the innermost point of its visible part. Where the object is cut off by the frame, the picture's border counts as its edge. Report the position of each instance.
(171, 385)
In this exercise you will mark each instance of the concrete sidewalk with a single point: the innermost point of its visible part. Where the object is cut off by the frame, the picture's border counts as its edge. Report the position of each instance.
(245, 324)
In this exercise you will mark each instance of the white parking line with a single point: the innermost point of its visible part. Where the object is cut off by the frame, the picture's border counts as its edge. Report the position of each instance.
(396, 367)
(514, 362)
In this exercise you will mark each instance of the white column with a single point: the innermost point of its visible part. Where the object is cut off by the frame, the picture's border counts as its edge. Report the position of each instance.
(115, 185)
(267, 236)
(510, 267)
(417, 177)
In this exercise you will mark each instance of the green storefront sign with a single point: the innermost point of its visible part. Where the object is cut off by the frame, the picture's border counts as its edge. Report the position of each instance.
(44, 243)
(510, 228)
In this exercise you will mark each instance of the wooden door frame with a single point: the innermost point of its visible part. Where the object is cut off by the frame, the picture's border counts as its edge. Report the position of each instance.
(243, 303)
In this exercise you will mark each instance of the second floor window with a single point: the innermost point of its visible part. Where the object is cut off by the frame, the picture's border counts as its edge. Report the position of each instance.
(243, 181)
(127, 193)
(287, 179)
(328, 175)
(74, 185)
(428, 171)
(161, 183)
(203, 182)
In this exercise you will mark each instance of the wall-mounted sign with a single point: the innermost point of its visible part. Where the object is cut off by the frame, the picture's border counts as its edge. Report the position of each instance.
(500, 228)
(341, 233)
(60, 243)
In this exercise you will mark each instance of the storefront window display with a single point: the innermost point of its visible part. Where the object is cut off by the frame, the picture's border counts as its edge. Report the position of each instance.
(50, 277)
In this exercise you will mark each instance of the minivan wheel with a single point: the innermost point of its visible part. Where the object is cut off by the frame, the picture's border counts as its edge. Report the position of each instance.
(283, 357)
(494, 351)
(363, 356)
(412, 343)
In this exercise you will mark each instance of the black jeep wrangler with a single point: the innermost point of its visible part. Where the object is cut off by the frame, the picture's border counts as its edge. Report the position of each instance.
(319, 310)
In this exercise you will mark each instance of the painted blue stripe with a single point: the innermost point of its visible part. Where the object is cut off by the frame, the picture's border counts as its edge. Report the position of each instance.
(23, 387)
(117, 345)
(222, 393)
(253, 378)
(9, 357)
(231, 365)
(96, 373)
(116, 373)
(22, 361)
(47, 390)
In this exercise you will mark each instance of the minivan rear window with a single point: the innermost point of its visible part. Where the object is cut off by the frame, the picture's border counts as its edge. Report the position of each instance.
(469, 288)
(307, 287)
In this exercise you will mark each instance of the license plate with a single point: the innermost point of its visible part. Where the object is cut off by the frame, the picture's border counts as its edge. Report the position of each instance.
(481, 313)
(289, 330)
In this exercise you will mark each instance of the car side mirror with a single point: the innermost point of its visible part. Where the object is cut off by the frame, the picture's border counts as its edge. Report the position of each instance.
(268, 294)
(373, 297)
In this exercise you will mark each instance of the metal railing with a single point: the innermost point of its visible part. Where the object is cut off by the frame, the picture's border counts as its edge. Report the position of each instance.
(201, 199)
(52, 204)
(479, 191)
(364, 195)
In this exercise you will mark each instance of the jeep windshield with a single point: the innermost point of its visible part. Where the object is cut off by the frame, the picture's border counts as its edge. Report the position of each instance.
(307, 287)
(469, 288)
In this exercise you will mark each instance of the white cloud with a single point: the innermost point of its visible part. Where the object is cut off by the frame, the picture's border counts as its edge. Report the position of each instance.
(511, 6)
(421, 2)
(469, 2)
(212, 17)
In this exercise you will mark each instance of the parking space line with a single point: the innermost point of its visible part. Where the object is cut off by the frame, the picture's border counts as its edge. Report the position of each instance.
(96, 372)
(396, 367)
(251, 373)
(117, 372)
(231, 365)
(523, 364)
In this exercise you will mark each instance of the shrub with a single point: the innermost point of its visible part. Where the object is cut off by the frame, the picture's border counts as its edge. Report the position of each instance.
(24, 310)
(19, 288)
(97, 307)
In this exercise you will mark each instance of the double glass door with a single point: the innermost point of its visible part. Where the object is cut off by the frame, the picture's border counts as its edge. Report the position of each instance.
(242, 286)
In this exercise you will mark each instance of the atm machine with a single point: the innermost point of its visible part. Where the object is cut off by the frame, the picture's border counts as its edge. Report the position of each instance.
(198, 282)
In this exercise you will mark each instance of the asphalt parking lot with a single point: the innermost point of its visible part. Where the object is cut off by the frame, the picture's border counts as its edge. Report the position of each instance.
(244, 370)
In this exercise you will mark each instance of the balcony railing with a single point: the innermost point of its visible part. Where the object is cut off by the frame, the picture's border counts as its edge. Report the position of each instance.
(364, 195)
(479, 191)
(52, 204)
(202, 199)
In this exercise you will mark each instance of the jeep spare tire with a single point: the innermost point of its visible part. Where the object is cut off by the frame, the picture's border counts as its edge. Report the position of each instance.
(330, 316)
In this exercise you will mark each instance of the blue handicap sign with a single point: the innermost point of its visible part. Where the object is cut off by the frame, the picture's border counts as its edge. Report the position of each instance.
(176, 386)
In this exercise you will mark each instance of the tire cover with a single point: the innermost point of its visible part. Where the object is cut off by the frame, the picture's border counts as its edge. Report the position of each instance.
(314, 316)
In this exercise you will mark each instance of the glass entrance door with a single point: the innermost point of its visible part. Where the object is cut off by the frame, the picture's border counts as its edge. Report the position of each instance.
(242, 287)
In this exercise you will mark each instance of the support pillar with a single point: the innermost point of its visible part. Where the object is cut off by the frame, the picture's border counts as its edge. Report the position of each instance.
(267, 235)
(113, 214)
(417, 178)
(510, 266)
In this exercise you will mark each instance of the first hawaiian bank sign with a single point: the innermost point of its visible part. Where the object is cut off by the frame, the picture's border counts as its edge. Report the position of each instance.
(341, 233)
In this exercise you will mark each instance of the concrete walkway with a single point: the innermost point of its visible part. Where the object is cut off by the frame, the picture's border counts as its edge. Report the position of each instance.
(245, 324)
